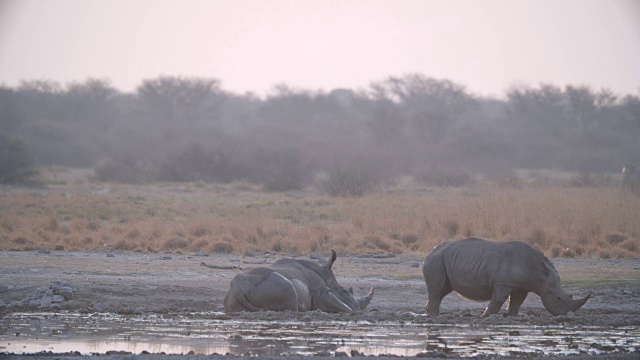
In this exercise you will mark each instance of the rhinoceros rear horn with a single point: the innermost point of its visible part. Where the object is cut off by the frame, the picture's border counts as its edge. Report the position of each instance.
(331, 261)
(577, 304)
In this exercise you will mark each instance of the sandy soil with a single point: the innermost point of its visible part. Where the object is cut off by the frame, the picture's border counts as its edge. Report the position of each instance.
(136, 283)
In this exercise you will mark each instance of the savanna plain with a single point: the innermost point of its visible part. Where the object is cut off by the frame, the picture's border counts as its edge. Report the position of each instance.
(133, 250)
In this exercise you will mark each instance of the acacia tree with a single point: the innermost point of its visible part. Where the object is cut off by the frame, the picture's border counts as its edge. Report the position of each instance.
(180, 100)
(177, 111)
(429, 107)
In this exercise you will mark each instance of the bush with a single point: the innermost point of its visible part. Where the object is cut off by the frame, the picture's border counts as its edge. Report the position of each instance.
(17, 166)
(280, 170)
(349, 180)
(445, 177)
(125, 170)
(196, 163)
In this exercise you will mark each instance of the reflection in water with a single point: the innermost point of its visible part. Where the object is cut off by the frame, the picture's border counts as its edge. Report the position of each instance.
(213, 333)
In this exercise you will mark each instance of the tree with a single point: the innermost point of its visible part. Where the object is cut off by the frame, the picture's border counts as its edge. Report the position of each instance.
(17, 166)
(430, 107)
(179, 100)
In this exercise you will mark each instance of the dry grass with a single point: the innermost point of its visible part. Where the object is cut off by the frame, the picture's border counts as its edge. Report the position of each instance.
(561, 221)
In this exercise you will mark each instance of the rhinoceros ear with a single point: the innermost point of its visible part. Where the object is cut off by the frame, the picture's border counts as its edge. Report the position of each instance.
(547, 268)
(333, 258)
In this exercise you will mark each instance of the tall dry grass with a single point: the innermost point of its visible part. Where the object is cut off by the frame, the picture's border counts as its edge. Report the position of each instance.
(561, 221)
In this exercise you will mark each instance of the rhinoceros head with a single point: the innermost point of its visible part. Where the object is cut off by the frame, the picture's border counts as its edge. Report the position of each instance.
(337, 298)
(554, 299)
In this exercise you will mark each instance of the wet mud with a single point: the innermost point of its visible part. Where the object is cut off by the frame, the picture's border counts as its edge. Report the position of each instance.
(128, 304)
(216, 333)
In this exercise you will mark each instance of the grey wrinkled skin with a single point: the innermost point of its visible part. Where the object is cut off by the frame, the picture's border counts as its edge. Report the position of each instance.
(291, 284)
(484, 270)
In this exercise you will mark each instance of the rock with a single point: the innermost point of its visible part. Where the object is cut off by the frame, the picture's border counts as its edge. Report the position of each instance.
(49, 292)
(4, 288)
(165, 257)
(58, 298)
(46, 301)
(110, 255)
(66, 294)
(200, 253)
(35, 303)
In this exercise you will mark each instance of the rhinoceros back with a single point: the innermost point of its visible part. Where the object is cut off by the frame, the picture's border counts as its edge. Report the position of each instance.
(474, 267)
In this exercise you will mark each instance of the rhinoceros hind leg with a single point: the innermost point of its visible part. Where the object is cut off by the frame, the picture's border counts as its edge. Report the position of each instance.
(275, 293)
(437, 291)
(515, 300)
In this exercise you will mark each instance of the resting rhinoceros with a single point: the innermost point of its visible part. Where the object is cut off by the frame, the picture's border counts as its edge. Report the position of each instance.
(290, 284)
(483, 270)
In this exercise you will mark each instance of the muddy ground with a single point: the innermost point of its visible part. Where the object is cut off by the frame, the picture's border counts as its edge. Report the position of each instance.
(138, 283)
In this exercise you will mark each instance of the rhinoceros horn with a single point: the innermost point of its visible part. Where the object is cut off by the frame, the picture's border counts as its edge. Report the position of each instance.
(364, 301)
(577, 304)
(329, 263)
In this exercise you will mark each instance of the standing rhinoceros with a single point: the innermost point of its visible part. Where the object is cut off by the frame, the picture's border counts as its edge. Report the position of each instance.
(483, 270)
(290, 284)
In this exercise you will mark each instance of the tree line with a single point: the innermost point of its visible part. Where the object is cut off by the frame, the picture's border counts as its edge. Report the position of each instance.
(174, 128)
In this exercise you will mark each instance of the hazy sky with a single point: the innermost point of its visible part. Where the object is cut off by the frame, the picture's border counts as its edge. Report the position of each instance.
(253, 45)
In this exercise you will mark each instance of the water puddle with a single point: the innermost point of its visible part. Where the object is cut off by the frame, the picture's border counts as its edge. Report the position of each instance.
(213, 333)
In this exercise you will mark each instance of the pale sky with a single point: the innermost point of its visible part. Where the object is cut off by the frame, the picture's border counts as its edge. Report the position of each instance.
(486, 45)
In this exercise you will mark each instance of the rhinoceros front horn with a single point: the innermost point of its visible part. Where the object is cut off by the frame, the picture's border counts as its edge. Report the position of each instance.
(364, 301)
(577, 304)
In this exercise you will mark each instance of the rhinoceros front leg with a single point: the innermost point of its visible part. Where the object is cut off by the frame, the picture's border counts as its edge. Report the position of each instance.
(437, 289)
(499, 296)
(515, 300)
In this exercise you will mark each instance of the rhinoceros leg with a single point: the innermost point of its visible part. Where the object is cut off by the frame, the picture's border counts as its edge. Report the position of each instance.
(499, 296)
(275, 293)
(437, 289)
(515, 300)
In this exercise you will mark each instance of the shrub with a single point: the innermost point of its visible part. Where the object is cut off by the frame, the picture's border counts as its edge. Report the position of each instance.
(17, 166)
(538, 239)
(445, 177)
(176, 244)
(451, 227)
(349, 180)
(409, 239)
(197, 163)
(280, 170)
(126, 170)
(615, 238)
(222, 247)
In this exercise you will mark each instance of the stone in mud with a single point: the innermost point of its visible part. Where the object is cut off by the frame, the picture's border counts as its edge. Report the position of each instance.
(46, 301)
(65, 291)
